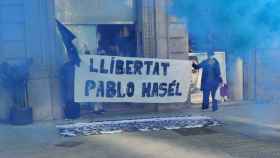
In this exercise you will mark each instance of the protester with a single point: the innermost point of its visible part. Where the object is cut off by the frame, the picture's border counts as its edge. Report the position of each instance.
(195, 75)
(98, 108)
(211, 78)
(125, 43)
(71, 109)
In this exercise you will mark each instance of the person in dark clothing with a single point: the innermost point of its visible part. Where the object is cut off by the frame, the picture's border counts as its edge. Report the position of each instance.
(211, 78)
(125, 43)
(71, 109)
(67, 82)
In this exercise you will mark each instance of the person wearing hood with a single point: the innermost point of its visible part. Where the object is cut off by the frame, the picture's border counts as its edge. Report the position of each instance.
(210, 80)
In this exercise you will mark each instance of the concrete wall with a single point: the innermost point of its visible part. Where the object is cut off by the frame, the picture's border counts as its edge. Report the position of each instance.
(267, 74)
(261, 77)
(241, 75)
(177, 39)
(161, 35)
(12, 43)
(28, 31)
(250, 75)
(161, 28)
(146, 28)
(96, 11)
(238, 80)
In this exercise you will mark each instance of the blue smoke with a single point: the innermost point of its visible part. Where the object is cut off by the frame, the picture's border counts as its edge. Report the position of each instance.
(240, 26)
(230, 24)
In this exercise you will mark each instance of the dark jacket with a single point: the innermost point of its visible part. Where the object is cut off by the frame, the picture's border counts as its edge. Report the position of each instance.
(211, 74)
(67, 75)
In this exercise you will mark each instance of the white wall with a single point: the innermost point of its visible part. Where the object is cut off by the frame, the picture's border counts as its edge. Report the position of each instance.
(238, 80)
(235, 77)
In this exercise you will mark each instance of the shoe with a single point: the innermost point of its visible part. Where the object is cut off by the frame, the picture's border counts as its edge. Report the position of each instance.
(205, 108)
(215, 109)
(102, 111)
(98, 112)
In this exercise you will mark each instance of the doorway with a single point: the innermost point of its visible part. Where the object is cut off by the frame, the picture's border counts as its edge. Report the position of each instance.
(117, 40)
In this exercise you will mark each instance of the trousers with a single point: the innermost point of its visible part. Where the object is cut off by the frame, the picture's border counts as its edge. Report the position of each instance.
(206, 95)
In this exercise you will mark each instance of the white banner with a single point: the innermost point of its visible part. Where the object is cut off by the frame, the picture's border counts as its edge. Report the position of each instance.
(136, 80)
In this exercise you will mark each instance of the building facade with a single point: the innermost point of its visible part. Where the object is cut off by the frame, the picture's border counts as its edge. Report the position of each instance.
(28, 30)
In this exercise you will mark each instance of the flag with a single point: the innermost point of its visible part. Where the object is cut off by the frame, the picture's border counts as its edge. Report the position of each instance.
(67, 38)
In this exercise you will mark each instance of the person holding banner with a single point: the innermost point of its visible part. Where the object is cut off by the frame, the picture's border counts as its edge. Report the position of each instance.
(210, 81)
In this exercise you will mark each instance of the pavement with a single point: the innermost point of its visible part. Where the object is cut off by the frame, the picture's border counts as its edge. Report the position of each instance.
(250, 130)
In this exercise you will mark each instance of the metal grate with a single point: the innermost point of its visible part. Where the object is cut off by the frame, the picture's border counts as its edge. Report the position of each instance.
(195, 131)
(69, 144)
